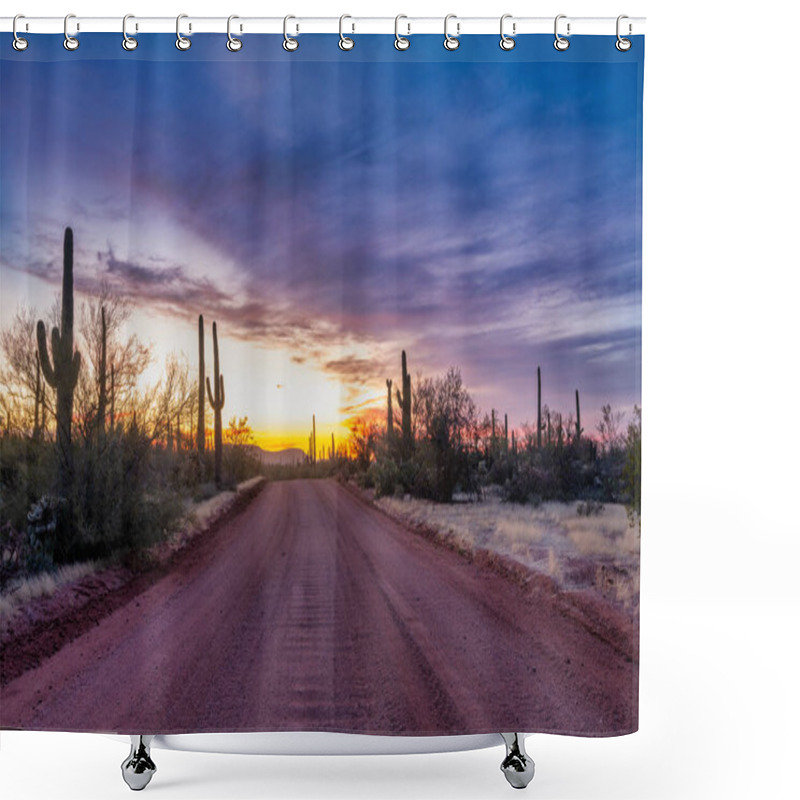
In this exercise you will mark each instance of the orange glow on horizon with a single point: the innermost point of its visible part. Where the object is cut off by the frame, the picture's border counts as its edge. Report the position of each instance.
(291, 438)
(275, 441)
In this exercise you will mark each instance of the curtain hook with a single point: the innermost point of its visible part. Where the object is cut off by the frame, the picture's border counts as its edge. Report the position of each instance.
(290, 44)
(182, 42)
(561, 43)
(401, 42)
(451, 42)
(233, 44)
(507, 42)
(345, 42)
(19, 43)
(70, 42)
(623, 44)
(128, 42)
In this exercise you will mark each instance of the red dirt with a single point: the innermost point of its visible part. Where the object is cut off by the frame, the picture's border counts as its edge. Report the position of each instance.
(311, 610)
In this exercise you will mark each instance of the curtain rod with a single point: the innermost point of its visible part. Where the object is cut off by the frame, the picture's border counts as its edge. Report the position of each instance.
(298, 25)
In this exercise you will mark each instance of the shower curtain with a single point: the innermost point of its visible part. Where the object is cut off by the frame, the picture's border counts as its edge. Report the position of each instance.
(320, 403)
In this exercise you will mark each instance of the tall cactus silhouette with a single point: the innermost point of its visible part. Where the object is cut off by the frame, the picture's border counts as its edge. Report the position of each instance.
(578, 429)
(37, 400)
(201, 389)
(539, 426)
(404, 401)
(43, 411)
(102, 398)
(216, 400)
(389, 411)
(62, 372)
(112, 415)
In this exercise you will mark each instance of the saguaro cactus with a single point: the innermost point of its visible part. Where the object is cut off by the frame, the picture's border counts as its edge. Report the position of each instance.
(102, 398)
(404, 401)
(201, 388)
(37, 398)
(389, 411)
(578, 429)
(333, 447)
(216, 400)
(539, 425)
(62, 372)
(112, 414)
(314, 438)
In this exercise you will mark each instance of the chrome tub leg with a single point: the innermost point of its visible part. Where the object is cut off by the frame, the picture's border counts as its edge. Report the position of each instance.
(138, 768)
(517, 766)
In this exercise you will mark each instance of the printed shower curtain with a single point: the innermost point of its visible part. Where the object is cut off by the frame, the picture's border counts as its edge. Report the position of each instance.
(320, 401)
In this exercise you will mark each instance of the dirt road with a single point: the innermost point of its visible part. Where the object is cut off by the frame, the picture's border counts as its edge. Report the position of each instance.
(311, 610)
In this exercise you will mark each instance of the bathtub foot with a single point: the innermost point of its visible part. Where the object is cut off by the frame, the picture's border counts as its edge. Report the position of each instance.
(517, 766)
(138, 768)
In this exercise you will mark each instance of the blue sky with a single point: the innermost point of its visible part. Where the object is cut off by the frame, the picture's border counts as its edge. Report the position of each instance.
(329, 213)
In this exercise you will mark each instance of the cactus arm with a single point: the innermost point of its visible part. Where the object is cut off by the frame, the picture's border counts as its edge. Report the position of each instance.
(44, 357)
(57, 347)
(75, 369)
(209, 394)
(221, 398)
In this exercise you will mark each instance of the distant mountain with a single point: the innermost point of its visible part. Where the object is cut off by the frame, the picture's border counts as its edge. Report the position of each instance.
(292, 455)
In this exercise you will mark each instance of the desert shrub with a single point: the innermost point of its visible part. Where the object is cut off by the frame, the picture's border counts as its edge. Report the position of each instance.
(28, 551)
(191, 471)
(27, 473)
(529, 484)
(632, 468)
(240, 463)
(123, 498)
(365, 479)
(501, 470)
(568, 475)
(204, 491)
(590, 508)
(386, 477)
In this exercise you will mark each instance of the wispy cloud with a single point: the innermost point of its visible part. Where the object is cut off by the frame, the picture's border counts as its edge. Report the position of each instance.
(502, 236)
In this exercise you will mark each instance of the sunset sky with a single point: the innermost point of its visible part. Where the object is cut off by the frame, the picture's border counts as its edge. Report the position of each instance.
(330, 213)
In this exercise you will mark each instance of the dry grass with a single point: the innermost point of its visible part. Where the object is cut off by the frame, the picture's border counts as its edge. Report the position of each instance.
(600, 551)
(46, 584)
(200, 515)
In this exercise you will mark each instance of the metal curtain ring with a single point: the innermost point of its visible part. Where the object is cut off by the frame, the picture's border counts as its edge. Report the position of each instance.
(345, 42)
(401, 42)
(451, 42)
(507, 42)
(233, 44)
(70, 42)
(181, 42)
(290, 44)
(561, 43)
(18, 43)
(128, 42)
(623, 44)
